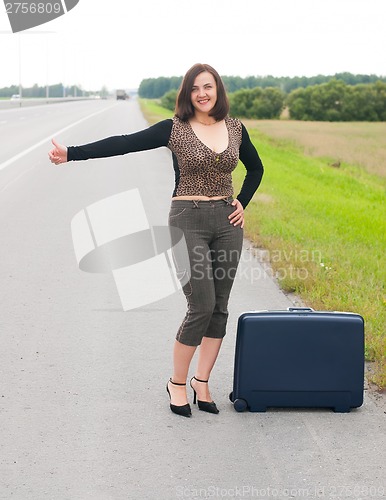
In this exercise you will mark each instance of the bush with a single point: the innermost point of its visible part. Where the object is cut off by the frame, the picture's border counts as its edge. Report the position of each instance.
(257, 103)
(337, 101)
(168, 100)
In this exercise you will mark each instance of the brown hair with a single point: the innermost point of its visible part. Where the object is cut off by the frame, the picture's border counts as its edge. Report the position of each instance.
(184, 107)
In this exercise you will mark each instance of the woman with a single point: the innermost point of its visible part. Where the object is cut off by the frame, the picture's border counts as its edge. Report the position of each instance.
(206, 145)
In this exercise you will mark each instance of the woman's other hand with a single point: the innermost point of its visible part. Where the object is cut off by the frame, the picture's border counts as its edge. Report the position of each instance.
(58, 154)
(237, 217)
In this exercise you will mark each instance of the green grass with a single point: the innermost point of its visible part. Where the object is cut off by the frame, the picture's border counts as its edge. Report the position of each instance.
(153, 111)
(324, 230)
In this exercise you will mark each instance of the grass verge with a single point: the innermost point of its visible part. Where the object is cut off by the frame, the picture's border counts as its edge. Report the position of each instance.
(357, 143)
(324, 231)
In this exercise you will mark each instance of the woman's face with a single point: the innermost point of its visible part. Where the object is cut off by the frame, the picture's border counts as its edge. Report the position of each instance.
(204, 92)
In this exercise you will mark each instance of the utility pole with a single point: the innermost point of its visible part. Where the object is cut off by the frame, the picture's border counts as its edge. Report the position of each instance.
(20, 87)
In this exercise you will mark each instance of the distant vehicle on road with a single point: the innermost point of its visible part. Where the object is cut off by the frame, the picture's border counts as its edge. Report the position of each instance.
(121, 94)
(15, 97)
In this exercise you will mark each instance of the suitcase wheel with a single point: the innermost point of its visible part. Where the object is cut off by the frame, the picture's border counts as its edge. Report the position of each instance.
(231, 396)
(240, 405)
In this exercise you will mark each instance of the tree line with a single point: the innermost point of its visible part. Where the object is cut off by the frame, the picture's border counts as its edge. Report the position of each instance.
(331, 101)
(57, 90)
(154, 88)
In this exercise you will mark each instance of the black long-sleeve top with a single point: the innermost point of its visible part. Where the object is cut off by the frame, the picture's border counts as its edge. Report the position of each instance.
(198, 169)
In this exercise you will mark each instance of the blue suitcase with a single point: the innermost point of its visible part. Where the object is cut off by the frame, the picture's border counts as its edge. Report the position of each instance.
(298, 358)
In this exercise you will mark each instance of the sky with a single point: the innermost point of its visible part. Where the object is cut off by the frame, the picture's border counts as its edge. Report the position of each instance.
(117, 43)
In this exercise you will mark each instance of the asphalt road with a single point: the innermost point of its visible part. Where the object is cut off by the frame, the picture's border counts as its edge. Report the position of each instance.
(84, 412)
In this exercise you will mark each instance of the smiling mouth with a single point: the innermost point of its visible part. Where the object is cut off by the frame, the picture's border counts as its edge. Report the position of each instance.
(203, 101)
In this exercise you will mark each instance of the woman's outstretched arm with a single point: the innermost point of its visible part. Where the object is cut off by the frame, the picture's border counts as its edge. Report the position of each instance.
(153, 137)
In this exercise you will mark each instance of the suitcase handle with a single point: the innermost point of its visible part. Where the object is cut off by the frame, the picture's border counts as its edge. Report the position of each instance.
(301, 309)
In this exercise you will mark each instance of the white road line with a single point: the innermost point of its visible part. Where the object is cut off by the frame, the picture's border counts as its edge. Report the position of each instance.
(58, 132)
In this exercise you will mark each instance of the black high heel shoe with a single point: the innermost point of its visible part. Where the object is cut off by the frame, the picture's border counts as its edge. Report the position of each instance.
(183, 410)
(208, 406)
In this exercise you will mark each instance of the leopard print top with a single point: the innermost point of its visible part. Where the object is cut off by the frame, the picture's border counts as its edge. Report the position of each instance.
(198, 169)
(203, 172)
